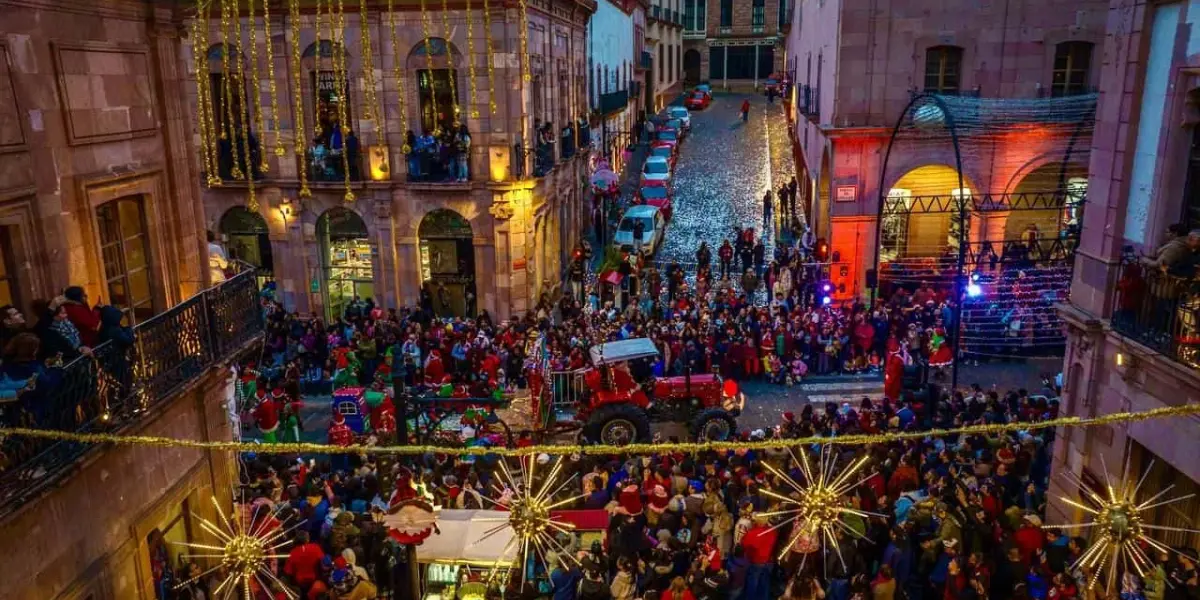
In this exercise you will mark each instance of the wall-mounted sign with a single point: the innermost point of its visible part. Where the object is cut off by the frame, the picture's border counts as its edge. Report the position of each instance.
(846, 193)
(519, 264)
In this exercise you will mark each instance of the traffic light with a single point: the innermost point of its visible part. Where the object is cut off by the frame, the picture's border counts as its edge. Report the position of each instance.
(821, 253)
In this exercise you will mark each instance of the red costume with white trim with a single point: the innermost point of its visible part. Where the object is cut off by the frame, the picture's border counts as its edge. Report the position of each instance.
(340, 433)
(893, 373)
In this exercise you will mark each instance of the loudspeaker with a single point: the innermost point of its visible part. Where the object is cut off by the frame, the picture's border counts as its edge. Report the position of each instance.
(872, 278)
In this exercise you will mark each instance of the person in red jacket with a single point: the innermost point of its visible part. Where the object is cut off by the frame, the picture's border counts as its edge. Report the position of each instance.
(745, 110)
(85, 319)
(678, 591)
(340, 434)
(1029, 538)
(303, 563)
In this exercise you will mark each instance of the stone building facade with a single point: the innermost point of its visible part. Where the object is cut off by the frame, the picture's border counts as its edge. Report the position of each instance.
(494, 242)
(736, 43)
(1129, 328)
(857, 66)
(664, 43)
(97, 189)
(614, 83)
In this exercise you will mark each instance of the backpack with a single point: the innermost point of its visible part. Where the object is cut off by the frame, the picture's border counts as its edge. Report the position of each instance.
(592, 589)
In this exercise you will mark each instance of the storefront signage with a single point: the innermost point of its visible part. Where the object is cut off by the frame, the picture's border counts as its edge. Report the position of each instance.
(519, 264)
(326, 82)
(846, 193)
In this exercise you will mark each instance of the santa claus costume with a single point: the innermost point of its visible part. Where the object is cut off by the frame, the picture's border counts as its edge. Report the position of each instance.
(266, 416)
(893, 372)
(941, 355)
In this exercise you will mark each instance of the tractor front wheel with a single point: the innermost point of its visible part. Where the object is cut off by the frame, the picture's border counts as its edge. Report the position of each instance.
(618, 425)
(714, 425)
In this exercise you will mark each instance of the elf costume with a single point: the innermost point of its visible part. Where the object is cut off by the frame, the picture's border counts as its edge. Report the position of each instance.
(940, 352)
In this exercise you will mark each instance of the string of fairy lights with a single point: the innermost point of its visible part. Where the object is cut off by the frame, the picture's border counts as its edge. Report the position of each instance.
(240, 110)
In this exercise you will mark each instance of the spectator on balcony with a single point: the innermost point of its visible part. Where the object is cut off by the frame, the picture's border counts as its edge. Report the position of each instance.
(218, 260)
(85, 319)
(111, 329)
(1176, 252)
(353, 155)
(25, 371)
(60, 339)
(12, 323)
(462, 153)
(413, 158)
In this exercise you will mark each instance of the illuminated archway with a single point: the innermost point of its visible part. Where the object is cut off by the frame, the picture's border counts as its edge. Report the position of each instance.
(1035, 226)
(921, 222)
(247, 238)
(345, 259)
(448, 263)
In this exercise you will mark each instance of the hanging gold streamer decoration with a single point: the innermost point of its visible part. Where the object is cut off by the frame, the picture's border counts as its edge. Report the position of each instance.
(242, 122)
(817, 506)
(525, 75)
(274, 89)
(205, 111)
(398, 73)
(604, 449)
(368, 58)
(471, 112)
(491, 67)
(337, 23)
(1119, 520)
(298, 109)
(317, 58)
(450, 66)
(425, 27)
(200, 63)
(248, 547)
(259, 118)
(227, 133)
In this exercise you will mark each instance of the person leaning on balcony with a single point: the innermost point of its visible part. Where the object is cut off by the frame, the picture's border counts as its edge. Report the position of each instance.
(85, 319)
(12, 323)
(61, 340)
(1177, 255)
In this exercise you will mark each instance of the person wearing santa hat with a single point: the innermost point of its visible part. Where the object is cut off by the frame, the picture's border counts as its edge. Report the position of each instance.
(893, 371)
(340, 434)
(941, 355)
(266, 416)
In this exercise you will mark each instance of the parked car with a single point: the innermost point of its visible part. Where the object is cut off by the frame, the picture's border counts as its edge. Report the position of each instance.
(772, 84)
(656, 169)
(663, 150)
(681, 113)
(697, 100)
(653, 225)
(704, 87)
(677, 125)
(666, 135)
(657, 194)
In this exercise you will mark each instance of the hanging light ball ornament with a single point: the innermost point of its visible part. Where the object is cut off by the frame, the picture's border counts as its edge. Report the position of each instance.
(245, 554)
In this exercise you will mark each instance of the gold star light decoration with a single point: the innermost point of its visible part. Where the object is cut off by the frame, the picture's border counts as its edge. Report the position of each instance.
(530, 522)
(248, 545)
(817, 508)
(1119, 522)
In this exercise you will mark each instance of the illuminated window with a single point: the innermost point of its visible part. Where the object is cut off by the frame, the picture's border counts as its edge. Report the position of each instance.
(125, 249)
(1072, 63)
(943, 68)
(10, 289)
(437, 98)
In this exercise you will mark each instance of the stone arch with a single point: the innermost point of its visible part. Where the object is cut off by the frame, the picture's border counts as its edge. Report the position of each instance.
(347, 264)
(691, 65)
(447, 263)
(246, 237)
(445, 55)
(917, 219)
(1049, 179)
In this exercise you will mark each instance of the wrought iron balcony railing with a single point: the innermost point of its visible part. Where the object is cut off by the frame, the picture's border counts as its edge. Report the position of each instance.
(646, 60)
(122, 383)
(810, 102)
(1159, 309)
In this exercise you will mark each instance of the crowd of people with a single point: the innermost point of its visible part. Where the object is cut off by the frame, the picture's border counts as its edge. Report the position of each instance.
(445, 157)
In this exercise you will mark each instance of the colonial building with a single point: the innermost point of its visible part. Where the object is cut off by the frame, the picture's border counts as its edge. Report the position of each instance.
(1132, 328)
(733, 42)
(385, 224)
(98, 189)
(929, 105)
(664, 44)
(615, 83)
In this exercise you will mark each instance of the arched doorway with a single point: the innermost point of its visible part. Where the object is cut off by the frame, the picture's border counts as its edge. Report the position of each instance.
(435, 63)
(246, 238)
(1036, 229)
(448, 263)
(345, 259)
(691, 66)
(920, 217)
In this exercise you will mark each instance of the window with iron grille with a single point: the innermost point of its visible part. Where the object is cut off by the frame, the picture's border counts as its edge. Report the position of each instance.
(758, 16)
(943, 69)
(1072, 63)
(726, 13)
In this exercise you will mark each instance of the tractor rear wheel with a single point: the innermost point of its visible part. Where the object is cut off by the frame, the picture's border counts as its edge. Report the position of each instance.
(714, 425)
(618, 425)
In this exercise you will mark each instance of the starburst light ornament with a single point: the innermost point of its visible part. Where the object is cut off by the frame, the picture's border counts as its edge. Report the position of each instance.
(531, 521)
(817, 508)
(1121, 530)
(249, 543)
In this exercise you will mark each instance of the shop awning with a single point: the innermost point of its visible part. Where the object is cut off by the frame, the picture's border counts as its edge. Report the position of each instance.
(458, 539)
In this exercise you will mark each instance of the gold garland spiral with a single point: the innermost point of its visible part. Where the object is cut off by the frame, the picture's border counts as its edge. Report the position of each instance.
(200, 64)
(425, 26)
(450, 63)
(243, 110)
(370, 110)
(471, 112)
(298, 107)
(602, 449)
(272, 88)
(398, 73)
(491, 67)
(227, 133)
(338, 29)
(259, 118)
(317, 57)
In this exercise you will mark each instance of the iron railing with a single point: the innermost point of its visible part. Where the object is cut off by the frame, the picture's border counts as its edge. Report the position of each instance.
(122, 383)
(810, 101)
(646, 59)
(1160, 310)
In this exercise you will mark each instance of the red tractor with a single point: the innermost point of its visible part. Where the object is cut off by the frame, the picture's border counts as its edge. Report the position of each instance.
(615, 400)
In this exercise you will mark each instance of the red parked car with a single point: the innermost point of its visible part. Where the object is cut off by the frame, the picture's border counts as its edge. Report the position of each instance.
(697, 100)
(657, 194)
(664, 150)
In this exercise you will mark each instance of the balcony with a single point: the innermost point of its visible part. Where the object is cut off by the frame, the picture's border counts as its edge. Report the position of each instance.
(809, 102)
(329, 167)
(122, 385)
(694, 34)
(613, 102)
(1052, 92)
(1159, 310)
(646, 60)
(725, 29)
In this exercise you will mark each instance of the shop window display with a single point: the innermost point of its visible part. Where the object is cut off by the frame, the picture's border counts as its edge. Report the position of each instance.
(346, 259)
